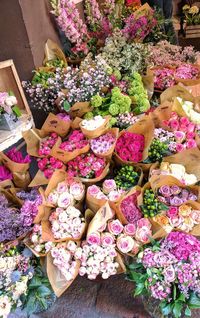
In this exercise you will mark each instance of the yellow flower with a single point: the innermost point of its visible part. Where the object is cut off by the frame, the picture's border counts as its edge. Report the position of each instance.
(184, 210)
(186, 7)
(164, 166)
(194, 10)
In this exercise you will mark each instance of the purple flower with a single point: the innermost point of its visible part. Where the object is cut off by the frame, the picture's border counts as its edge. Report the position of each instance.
(165, 191)
(192, 197)
(176, 201)
(175, 190)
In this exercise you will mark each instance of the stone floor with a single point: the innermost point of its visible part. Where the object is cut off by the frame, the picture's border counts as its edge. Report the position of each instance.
(100, 299)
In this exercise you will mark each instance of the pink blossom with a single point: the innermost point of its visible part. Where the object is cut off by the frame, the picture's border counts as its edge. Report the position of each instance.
(115, 227)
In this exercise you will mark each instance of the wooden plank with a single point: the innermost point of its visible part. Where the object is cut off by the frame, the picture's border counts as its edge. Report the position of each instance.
(9, 81)
(193, 27)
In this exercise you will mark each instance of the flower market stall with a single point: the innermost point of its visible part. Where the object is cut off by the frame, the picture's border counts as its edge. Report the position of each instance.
(116, 189)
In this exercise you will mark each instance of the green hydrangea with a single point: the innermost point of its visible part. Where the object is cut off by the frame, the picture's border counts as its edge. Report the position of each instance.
(96, 100)
(117, 74)
(88, 115)
(112, 121)
(114, 109)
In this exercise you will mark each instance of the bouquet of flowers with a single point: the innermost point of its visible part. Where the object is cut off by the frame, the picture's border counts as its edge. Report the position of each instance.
(167, 272)
(9, 110)
(62, 267)
(191, 14)
(15, 272)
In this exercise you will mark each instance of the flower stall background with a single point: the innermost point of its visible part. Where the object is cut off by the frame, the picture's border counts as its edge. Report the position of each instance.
(106, 192)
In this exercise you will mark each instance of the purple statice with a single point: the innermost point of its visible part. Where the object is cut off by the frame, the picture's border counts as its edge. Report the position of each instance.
(181, 245)
(31, 196)
(30, 206)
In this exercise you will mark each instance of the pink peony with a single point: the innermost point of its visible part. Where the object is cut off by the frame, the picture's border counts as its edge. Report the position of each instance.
(107, 239)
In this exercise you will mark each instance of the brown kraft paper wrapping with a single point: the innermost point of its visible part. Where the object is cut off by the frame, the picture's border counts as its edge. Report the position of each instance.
(66, 156)
(40, 179)
(98, 131)
(33, 137)
(6, 184)
(176, 91)
(55, 124)
(21, 176)
(53, 51)
(58, 282)
(79, 109)
(75, 124)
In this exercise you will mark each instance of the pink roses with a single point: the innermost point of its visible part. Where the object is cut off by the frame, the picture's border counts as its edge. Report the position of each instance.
(75, 141)
(49, 165)
(86, 166)
(130, 147)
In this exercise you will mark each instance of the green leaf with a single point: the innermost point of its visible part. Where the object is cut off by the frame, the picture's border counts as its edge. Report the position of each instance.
(35, 282)
(66, 106)
(181, 297)
(166, 309)
(139, 289)
(43, 303)
(135, 276)
(43, 291)
(177, 309)
(30, 306)
(134, 266)
(16, 110)
(194, 301)
(174, 292)
(188, 312)
(149, 273)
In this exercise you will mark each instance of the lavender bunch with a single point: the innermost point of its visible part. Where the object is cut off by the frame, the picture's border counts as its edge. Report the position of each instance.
(11, 225)
(44, 94)
(30, 206)
(83, 84)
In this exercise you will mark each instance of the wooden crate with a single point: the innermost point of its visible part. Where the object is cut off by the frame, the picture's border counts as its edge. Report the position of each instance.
(192, 31)
(9, 81)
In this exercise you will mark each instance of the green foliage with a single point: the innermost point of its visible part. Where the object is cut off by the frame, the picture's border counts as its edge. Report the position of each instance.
(41, 77)
(157, 150)
(151, 205)
(39, 295)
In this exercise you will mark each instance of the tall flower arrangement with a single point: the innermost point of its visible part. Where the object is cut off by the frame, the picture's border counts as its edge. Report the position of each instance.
(72, 25)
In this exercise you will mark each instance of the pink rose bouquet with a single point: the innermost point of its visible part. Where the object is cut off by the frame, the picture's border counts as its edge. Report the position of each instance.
(86, 166)
(187, 71)
(76, 140)
(63, 259)
(47, 144)
(164, 78)
(67, 223)
(49, 165)
(67, 193)
(108, 192)
(130, 147)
